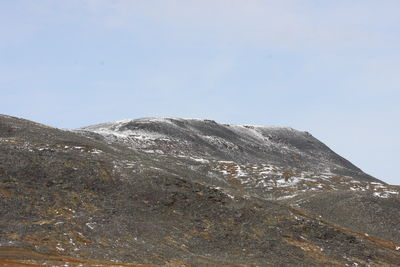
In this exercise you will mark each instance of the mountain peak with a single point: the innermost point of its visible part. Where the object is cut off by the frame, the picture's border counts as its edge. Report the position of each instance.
(204, 138)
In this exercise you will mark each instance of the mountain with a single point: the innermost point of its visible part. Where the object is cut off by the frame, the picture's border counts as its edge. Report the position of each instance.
(188, 192)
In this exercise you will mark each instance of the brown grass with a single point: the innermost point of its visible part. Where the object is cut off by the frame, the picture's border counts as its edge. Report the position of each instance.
(380, 242)
(13, 256)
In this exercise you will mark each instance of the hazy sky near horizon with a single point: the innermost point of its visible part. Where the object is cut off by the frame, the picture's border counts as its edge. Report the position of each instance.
(328, 67)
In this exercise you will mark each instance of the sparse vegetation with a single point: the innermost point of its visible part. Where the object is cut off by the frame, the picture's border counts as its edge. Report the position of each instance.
(69, 199)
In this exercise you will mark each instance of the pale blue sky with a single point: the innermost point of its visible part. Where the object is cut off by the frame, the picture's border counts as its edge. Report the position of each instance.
(329, 67)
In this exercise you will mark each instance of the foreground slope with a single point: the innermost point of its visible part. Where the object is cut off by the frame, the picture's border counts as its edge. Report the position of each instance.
(167, 202)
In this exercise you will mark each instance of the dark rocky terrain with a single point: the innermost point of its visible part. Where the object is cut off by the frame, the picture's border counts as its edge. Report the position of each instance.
(187, 192)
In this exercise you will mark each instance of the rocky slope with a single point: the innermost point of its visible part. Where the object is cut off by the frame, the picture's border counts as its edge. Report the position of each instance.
(186, 192)
(279, 146)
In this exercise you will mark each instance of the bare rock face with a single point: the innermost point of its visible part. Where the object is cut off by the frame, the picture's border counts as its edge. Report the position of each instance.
(188, 192)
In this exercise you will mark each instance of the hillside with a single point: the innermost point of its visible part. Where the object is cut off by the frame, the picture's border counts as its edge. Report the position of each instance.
(188, 192)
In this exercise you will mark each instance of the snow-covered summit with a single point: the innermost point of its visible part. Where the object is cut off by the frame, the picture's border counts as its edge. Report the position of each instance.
(135, 127)
(207, 139)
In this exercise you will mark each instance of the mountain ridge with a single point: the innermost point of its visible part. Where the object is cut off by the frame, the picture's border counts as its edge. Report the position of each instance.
(243, 136)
